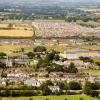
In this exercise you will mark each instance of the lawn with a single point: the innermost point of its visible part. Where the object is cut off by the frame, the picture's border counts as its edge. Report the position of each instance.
(69, 97)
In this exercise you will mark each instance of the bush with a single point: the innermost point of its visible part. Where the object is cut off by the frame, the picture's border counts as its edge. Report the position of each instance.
(31, 99)
(81, 99)
(40, 49)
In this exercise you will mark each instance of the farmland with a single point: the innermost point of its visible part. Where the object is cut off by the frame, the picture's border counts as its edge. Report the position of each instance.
(60, 48)
(16, 30)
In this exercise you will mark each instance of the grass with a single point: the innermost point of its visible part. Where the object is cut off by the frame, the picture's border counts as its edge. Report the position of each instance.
(91, 71)
(10, 48)
(60, 48)
(69, 97)
(89, 47)
(96, 59)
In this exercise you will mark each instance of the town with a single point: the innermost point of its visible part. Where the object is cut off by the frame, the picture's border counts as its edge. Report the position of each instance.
(49, 50)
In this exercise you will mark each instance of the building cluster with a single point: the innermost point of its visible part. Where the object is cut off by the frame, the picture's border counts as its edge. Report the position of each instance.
(36, 81)
(17, 42)
(61, 28)
(78, 53)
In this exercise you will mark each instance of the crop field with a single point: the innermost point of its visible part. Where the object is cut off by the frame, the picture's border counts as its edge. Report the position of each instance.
(60, 48)
(18, 30)
(10, 48)
(91, 72)
(16, 33)
(68, 97)
(89, 47)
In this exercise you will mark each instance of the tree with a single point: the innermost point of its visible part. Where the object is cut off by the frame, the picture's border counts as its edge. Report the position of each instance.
(97, 63)
(2, 65)
(10, 25)
(56, 57)
(87, 88)
(90, 88)
(30, 55)
(81, 99)
(46, 91)
(86, 59)
(58, 68)
(72, 68)
(47, 99)
(40, 49)
(49, 83)
(63, 85)
(31, 99)
(74, 85)
(51, 55)
(22, 50)
(2, 55)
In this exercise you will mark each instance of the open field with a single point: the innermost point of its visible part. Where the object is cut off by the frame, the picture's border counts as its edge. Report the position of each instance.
(10, 48)
(91, 72)
(69, 97)
(96, 59)
(16, 33)
(89, 47)
(60, 48)
(18, 30)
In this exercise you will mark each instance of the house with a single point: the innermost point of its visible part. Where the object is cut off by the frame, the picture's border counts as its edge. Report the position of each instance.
(69, 55)
(33, 82)
(54, 88)
(9, 62)
(23, 60)
(78, 53)
(78, 63)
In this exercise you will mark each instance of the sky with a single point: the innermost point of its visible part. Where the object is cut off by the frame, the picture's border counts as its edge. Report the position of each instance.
(54, 0)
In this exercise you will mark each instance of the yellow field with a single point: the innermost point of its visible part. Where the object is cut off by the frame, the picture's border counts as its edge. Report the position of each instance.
(19, 30)
(16, 33)
(8, 49)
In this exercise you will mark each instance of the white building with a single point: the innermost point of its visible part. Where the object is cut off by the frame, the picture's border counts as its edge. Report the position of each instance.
(69, 55)
(33, 82)
(54, 88)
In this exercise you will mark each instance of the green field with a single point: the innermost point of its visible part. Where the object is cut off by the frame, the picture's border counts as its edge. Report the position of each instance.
(10, 48)
(69, 97)
(60, 48)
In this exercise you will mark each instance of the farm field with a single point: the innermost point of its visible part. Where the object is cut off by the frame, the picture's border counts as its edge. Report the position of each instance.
(16, 33)
(10, 48)
(91, 72)
(89, 47)
(96, 59)
(18, 30)
(60, 48)
(69, 97)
